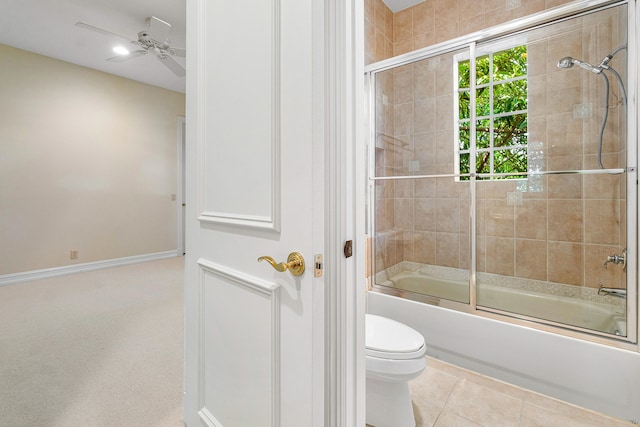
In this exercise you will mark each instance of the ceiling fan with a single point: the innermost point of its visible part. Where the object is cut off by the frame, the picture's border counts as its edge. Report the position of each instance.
(154, 40)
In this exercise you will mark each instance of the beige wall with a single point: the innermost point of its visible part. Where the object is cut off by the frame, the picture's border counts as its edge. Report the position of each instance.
(88, 162)
(561, 234)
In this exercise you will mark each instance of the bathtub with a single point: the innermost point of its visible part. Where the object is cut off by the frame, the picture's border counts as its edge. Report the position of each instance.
(589, 374)
(586, 314)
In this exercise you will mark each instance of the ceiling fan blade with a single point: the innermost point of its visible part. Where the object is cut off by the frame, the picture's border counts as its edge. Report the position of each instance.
(176, 51)
(131, 55)
(158, 29)
(101, 31)
(171, 64)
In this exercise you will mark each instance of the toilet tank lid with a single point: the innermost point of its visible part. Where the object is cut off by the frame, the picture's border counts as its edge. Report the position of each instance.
(387, 335)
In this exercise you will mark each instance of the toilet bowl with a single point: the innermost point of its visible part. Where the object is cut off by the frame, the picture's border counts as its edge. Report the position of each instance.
(395, 354)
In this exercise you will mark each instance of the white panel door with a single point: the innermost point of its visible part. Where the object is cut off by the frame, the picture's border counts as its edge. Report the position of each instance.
(250, 358)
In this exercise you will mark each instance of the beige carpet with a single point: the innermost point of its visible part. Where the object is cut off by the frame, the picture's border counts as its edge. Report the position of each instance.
(101, 348)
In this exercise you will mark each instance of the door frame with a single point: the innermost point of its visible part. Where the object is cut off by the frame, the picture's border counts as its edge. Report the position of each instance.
(345, 281)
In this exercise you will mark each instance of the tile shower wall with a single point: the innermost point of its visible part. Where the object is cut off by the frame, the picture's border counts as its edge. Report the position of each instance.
(563, 231)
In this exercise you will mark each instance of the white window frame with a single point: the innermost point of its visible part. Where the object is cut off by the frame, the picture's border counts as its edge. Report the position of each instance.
(485, 49)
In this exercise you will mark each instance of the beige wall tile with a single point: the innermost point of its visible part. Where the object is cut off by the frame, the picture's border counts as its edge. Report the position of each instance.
(472, 24)
(369, 48)
(537, 96)
(403, 214)
(602, 222)
(493, 5)
(425, 188)
(369, 9)
(566, 220)
(425, 151)
(566, 263)
(403, 46)
(499, 255)
(423, 19)
(424, 40)
(403, 119)
(403, 85)
(383, 18)
(565, 186)
(425, 80)
(444, 77)
(403, 25)
(446, 13)
(465, 252)
(498, 16)
(426, 214)
(444, 118)
(444, 156)
(380, 45)
(537, 57)
(424, 250)
(425, 115)
(528, 7)
(531, 259)
(499, 218)
(447, 249)
(481, 252)
(497, 189)
(403, 188)
(564, 135)
(448, 215)
(563, 100)
(531, 219)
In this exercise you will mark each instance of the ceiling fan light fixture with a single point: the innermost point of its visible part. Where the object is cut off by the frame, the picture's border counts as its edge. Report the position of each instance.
(121, 50)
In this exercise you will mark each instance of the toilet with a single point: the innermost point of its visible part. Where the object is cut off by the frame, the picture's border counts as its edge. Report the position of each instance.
(395, 354)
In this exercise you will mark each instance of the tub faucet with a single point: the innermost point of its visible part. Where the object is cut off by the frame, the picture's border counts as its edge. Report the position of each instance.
(618, 259)
(615, 292)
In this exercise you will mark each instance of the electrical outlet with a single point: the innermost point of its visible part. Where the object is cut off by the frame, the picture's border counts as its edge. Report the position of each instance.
(73, 254)
(173, 197)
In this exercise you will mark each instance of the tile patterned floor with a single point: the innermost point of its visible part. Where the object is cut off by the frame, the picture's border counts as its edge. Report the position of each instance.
(447, 396)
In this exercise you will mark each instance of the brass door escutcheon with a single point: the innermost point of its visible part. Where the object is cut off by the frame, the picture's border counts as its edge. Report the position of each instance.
(295, 263)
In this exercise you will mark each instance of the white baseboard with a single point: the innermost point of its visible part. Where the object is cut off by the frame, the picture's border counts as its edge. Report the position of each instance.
(10, 279)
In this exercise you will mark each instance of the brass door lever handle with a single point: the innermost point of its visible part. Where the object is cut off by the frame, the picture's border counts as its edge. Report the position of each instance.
(295, 263)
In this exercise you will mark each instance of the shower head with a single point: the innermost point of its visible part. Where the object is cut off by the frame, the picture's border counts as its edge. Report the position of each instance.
(568, 62)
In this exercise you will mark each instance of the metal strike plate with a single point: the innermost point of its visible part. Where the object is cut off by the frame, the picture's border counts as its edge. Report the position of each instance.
(317, 265)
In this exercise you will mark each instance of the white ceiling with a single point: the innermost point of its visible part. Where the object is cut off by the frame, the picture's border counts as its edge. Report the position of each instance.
(398, 5)
(48, 27)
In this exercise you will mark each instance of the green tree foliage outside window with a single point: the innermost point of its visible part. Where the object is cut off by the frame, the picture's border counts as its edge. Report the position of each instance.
(500, 113)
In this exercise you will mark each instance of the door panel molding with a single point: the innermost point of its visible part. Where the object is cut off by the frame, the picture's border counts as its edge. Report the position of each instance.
(249, 308)
(240, 133)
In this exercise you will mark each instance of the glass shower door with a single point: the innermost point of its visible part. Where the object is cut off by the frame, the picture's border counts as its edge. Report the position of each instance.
(553, 245)
(422, 206)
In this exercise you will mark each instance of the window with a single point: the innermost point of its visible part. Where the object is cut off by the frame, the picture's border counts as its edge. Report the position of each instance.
(500, 114)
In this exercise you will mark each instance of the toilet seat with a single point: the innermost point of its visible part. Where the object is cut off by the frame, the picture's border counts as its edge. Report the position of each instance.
(388, 339)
